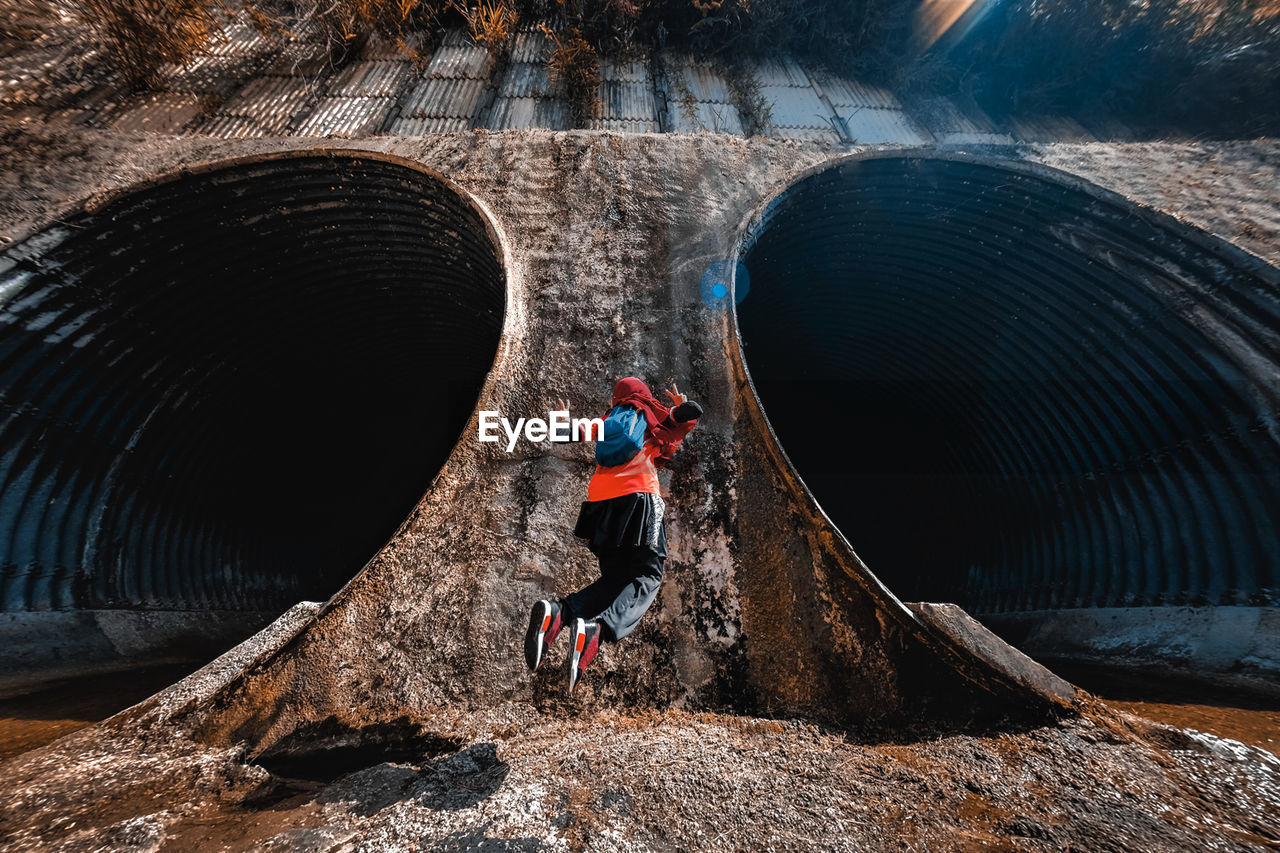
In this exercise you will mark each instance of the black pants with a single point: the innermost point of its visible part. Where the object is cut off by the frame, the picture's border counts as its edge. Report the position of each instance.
(629, 582)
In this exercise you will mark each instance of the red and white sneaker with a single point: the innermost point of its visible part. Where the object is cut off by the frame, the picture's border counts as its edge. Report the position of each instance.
(544, 626)
(584, 639)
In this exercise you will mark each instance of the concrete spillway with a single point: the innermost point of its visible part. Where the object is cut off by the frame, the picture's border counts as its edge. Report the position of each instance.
(224, 393)
(1039, 397)
(766, 608)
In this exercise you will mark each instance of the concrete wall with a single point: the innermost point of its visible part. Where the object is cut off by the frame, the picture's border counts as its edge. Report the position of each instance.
(43, 647)
(1237, 640)
(606, 238)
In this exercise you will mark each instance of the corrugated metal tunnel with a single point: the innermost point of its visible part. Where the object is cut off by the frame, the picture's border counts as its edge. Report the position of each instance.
(1017, 392)
(227, 390)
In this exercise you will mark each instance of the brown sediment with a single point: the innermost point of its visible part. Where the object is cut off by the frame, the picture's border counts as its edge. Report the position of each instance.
(1249, 713)
(35, 719)
(1258, 727)
(580, 779)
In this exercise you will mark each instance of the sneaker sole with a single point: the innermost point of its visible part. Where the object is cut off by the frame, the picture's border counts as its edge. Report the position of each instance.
(577, 639)
(539, 622)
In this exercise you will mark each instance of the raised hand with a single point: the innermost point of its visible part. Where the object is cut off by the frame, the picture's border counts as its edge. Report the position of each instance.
(676, 397)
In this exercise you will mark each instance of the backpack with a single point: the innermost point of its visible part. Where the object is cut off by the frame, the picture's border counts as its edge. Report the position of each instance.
(624, 429)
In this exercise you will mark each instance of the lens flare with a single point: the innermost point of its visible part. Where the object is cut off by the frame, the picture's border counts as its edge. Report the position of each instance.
(953, 18)
(715, 285)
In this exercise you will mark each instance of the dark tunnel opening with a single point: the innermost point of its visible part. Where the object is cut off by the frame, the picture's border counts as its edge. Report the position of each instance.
(1019, 394)
(226, 391)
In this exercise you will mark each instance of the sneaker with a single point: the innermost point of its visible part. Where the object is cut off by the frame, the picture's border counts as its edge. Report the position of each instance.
(544, 627)
(584, 641)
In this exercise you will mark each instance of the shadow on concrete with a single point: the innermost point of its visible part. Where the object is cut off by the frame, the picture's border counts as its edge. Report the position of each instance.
(375, 766)
(478, 841)
(323, 751)
(463, 779)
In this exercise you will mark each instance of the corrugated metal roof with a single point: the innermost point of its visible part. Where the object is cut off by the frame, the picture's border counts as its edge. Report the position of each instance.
(373, 79)
(71, 115)
(272, 102)
(513, 113)
(627, 70)
(942, 116)
(218, 75)
(457, 37)
(525, 80)
(21, 69)
(423, 126)
(780, 72)
(435, 98)
(242, 39)
(230, 127)
(973, 126)
(302, 59)
(347, 117)
(380, 47)
(842, 92)
(530, 47)
(952, 126)
(202, 63)
(806, 133)
(704, 83)
(628, 100)
(460, 61)
(98, 98)
(791, 106)
(521, 113)
(869, 125)
(163, 112)
(625, 125)
(713, 117)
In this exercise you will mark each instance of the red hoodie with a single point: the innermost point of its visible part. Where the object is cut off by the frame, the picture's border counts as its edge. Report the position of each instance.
(641, 473)
(661, 439)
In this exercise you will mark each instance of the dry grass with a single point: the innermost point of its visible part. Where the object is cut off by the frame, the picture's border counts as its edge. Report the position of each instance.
(491, 23)
(347, 23)
(25, 20)
(142, 35)
(575, 67)
(744, 92)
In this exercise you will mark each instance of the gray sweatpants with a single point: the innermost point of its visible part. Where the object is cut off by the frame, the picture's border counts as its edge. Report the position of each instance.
(629, 582)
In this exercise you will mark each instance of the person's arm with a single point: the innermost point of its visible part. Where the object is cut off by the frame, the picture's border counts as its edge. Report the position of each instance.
(686, 412)
(678, 424)
(574, 438)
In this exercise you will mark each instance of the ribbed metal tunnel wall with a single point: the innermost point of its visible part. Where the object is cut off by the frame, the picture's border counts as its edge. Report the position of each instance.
(1017, 392)
(227, 390)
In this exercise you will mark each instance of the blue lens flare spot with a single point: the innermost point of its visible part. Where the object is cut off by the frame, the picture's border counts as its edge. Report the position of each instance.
(715, 285)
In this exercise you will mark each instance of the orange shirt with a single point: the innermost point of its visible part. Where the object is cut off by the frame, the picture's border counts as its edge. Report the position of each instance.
(638, 475)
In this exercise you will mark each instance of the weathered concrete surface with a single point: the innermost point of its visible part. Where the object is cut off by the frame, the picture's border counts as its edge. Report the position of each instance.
(969, 632)
(48, 646)
(765, 608)
(1240, 640)
(611, 781)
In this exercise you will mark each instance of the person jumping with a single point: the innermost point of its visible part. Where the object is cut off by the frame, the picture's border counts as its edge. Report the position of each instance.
(623, 522)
